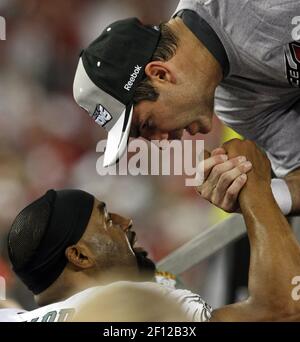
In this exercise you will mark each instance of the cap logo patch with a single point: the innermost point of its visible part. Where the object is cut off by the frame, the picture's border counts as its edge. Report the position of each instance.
(133, 77)
(101, 115)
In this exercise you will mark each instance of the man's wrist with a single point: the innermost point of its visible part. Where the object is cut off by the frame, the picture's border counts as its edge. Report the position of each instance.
(276, 188)
(253, 188)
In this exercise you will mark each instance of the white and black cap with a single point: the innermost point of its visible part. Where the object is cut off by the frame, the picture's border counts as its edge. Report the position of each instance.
(108, 72)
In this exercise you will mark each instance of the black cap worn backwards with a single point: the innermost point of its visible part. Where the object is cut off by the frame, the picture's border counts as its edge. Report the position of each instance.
(41, 233)
(108, 73)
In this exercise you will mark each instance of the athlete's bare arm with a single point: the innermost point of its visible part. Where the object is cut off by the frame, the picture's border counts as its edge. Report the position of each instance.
(275, 252)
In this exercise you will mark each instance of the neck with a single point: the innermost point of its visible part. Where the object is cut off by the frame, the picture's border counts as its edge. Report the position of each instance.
(69, 283)
(64, 287)
(194, 59)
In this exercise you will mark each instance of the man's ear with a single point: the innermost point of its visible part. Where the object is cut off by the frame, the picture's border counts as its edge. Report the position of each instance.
(79, 256)
(160, 72)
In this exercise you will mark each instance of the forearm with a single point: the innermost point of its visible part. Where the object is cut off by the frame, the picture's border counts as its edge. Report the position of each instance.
(293, 182)
(275, 260)
(262, 215)
(275, 253)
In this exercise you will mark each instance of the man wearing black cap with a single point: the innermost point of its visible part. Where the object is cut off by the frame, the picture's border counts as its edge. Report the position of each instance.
(236, 58)
(66, 247)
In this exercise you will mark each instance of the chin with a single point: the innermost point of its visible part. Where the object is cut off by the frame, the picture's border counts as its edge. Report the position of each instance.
(146, 266)
(206, 129)
(205, 125)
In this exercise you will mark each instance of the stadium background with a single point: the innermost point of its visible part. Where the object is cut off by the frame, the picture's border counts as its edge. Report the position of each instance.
(46, 141)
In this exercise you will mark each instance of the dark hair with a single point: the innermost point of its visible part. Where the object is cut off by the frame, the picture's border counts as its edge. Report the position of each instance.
(165, 50)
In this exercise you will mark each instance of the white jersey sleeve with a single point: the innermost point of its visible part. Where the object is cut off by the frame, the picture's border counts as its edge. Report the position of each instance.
(196, 309)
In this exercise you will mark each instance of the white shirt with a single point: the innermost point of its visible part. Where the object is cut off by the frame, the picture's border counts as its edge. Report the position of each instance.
(193, 305)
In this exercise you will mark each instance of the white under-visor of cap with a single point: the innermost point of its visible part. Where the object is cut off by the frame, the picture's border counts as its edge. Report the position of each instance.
(89, 96)
(117, 139)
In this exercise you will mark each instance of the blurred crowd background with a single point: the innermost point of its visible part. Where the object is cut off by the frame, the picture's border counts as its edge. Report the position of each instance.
(46, 141)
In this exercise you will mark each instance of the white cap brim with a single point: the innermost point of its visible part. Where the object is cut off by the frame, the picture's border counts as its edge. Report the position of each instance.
(90, 97)
(117, 138)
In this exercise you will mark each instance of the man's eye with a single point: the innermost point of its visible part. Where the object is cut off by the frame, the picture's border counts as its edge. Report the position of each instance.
(147, 125)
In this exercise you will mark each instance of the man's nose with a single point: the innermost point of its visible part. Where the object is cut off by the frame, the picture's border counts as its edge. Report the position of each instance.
(127, 225)
(161, 136)
(123, 222)
(157, 136)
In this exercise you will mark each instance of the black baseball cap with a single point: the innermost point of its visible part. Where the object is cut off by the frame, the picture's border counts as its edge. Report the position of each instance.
(108, 73)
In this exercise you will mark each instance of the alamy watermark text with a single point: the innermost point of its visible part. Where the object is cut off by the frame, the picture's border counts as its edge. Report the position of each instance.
(158, 158)
(2, 288)
(2, 28)
(296, 29)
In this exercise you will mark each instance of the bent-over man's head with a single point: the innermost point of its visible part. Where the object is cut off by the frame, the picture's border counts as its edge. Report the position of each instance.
(149, 81)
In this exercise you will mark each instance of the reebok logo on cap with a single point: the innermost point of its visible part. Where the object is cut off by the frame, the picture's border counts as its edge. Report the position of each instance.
(101, 115)
(133, 77)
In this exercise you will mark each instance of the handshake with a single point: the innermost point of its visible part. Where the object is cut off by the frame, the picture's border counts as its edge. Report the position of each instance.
(236, 167)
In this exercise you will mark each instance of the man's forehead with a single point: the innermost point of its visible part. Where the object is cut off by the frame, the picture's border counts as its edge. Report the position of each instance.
(134, 128)
(98, 211)
(144, 111)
